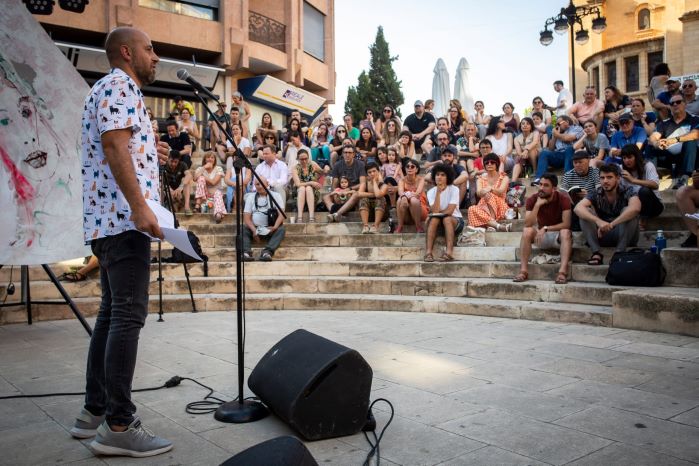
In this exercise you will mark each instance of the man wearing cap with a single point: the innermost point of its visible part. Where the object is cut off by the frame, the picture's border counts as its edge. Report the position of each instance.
(420, 124)
(583, 176)
(674, 141)
(215, 137)
(662, 103)
(629, 133)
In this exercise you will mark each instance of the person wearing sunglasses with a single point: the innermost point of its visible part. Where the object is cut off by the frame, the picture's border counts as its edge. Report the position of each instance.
(689, 92)
(661, 104)
(673, 144)
(336, 143)
(411, 207)
(368, 122)
(386, 114)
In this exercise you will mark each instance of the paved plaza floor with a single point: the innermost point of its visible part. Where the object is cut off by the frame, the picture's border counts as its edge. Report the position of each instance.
(466, 390)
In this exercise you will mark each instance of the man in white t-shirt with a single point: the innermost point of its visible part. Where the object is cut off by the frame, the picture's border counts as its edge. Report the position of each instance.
(257, 224)
(564, 100)
(445, 216)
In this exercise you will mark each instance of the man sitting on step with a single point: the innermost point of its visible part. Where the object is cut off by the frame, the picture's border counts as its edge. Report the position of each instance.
(688, 203)
(579, 181)
(547, 223)
(609, 214)
(354, 171)
(257, 219)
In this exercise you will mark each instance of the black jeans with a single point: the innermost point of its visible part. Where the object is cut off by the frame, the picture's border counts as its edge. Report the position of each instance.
(651, 206)
(125, 277)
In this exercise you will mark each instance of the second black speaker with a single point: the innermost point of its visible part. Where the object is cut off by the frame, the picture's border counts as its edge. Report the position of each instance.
(319, 387)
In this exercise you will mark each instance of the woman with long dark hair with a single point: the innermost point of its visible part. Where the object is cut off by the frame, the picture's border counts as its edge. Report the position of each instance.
(527, 146)
(637, 171)
(660, 74)
(615, 104)
(501, 142)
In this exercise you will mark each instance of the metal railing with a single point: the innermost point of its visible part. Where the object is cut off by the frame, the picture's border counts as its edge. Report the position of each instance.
(267, 31)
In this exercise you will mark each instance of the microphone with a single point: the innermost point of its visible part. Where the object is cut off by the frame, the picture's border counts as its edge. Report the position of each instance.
(185, 76)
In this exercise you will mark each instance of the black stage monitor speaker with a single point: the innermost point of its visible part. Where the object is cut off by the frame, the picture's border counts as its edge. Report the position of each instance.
(280, 451)
(319, 387)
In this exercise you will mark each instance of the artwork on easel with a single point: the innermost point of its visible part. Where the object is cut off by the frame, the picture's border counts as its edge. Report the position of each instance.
(41, 103)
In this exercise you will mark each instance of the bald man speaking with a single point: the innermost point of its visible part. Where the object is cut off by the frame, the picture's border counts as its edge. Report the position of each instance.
(120, 171)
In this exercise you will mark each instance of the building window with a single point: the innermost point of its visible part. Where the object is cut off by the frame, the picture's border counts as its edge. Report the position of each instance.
(610, 68)
(654, 59)
(595, 77)
(313, 32)
(631, 70)
(202, 9)
(643, 19)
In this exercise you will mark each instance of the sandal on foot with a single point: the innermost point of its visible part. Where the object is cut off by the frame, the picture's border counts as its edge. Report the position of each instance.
(504, 227)
(522, 276)
(72, 277)
(596, 259)
(561, 278)
(188, 212)
(311, 220)
(429, 257)
(446, 258)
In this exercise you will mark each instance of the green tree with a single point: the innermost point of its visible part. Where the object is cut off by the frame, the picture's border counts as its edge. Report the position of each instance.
(377, 88)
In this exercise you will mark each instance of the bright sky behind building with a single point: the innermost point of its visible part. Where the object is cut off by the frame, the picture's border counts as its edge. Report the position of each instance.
(498, 38)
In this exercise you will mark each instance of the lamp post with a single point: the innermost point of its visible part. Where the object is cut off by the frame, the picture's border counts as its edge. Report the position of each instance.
(565, 20)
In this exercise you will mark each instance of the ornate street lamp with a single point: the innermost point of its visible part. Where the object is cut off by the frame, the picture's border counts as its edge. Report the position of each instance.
(565, 21)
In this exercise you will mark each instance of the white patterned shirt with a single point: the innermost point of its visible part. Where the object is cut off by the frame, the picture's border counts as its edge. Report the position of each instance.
(115, 102)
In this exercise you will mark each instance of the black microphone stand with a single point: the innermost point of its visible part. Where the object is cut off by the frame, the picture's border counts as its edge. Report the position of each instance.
(168, 204)
(239, 410)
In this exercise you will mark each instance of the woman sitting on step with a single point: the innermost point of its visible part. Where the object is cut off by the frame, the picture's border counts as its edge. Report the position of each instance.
(411, 206)
(306, 174)
(209, 193)
(491, 190)
(444, 215)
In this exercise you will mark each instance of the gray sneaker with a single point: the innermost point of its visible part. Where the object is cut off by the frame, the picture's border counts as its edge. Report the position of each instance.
(135, 441)
(86, 424)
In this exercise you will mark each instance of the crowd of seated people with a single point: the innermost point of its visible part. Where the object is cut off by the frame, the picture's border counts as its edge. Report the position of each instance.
(609, 150)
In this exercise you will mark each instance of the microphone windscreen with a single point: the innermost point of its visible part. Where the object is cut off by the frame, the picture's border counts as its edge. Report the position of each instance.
(182, 74)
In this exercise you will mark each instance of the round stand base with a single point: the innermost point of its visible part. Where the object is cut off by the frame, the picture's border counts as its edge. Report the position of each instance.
(239, 413)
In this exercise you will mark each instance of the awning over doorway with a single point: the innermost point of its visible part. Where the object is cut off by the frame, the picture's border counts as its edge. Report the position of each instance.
(94, 60)
(282, 96)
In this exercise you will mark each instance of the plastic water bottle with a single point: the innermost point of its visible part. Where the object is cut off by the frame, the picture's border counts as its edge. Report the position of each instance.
(660, 241)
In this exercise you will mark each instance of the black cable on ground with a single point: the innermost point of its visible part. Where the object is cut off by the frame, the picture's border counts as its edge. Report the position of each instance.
(377, 440)
(171, 382)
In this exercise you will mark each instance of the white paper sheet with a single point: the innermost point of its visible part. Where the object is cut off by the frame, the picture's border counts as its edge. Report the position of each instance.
(177, 238)
(694, 216)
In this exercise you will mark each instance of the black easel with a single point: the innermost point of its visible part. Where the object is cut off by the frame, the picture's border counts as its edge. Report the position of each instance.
(240, 410)
(168, 206)
(26, 299)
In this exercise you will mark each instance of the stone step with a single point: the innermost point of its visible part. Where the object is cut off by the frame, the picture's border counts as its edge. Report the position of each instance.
(498, 288)
(295, 237)
(658, 310)
(394, 253)
(543, 311)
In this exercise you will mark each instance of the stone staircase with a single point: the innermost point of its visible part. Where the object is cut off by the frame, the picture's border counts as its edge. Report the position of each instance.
(324, 266)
